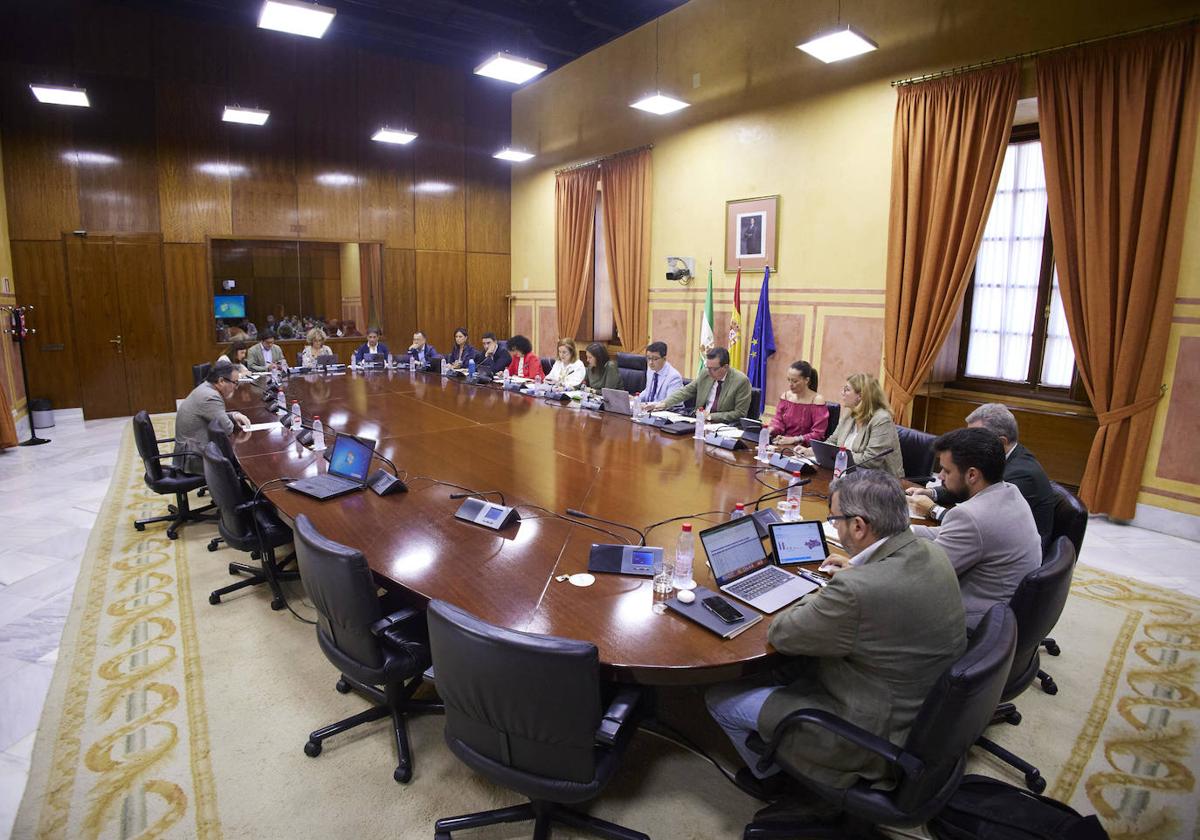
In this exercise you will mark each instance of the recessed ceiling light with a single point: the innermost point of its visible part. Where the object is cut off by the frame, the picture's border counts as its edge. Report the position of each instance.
(84, 158)
(55, 95)
(248, 116)
(509, 68)
(838, 44)
(514, 155)
(307, 19)
(337, 179)
(221, 169)
(659, 104)
(393, 135)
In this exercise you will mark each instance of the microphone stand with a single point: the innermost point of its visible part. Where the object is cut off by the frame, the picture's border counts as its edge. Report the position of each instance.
(18, 331)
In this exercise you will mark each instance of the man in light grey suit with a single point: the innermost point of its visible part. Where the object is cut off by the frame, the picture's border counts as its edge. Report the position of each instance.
(265, 355)
(989, 535)
(204, 404)
(872, 644)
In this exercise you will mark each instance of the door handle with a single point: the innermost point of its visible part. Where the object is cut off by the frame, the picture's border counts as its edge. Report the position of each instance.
(116, 341)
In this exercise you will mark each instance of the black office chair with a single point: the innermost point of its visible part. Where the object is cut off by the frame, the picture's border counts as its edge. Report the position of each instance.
(928, 767)
(547, 366)
(755, 410)
(166, 479)
(217, 435)
(1037, 605)
(916, 449)
(835, 415)
(525, 711)
(689, 404)
(247, 524)
(631, 367)
(200, 373)
(1070, 521)
(369, 648)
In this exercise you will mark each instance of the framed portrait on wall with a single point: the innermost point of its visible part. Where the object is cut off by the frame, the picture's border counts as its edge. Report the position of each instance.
(751, 233)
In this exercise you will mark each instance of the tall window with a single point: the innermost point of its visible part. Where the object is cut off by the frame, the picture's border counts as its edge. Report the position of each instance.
(597, 323)
(1016, 335)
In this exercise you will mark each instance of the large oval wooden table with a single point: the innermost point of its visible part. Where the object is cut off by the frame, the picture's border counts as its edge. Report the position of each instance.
(545, 457)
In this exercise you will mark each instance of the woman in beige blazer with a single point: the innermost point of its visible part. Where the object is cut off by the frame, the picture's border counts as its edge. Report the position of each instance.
(866, 427)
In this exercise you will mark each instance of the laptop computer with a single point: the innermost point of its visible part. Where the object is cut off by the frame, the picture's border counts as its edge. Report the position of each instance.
(794, 543)
(826, 454)
(742, 569)
(616, 400)
(349, 463)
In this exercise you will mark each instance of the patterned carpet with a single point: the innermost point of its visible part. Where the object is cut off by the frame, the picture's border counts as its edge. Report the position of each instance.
(172, 718)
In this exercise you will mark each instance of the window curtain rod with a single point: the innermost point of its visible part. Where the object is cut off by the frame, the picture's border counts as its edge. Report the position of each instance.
(601, 159)
(979, 65)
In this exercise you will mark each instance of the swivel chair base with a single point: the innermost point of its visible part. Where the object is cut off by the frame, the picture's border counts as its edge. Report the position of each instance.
(178, 514)
(396, 701)
(844, 828)
(1008, 713)
(269, 572)
(543, 814)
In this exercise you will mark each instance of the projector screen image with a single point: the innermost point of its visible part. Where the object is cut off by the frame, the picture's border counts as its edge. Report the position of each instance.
(229, 306)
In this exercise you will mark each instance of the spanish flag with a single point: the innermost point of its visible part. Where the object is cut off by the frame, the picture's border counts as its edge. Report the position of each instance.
(735, 323)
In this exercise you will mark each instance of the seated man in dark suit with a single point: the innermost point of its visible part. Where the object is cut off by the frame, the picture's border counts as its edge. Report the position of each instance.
(204, 404)
(869, 646)
(1021, 468)
(492, 358)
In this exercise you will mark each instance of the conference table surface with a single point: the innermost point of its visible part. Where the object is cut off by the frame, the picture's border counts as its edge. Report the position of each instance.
(545, 457)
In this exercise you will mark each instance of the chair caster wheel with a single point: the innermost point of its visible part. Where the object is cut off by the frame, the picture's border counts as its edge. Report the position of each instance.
(1052, 648)
(1049, 686)
(343, 687)
(1035, 782)
(312, 749)
(1014, 718)
(214, 598)
(277, 604)
(402, 774)
(441, 835)
(139, 526)
(172, 535)
(213, 546)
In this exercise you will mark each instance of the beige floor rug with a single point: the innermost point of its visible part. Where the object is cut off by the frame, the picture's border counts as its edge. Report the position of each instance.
(169, 717)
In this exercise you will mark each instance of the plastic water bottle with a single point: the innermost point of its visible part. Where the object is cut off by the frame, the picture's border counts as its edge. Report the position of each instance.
(700, 418)
(794, 493)
(839, 463)
(471, 368)
(295, 414)
(445, 366)
(506, 377)
(281, 400)
(318, 431)
(389, 361)
(739, 511)
(764, 438)
(636, 405)
(664, 574)
(685, 551)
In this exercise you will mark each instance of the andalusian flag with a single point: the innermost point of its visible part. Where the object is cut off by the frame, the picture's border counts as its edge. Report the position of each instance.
(707, 338)
(735, 323)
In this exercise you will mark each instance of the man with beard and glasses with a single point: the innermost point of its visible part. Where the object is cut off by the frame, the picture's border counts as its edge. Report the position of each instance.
(989, 535)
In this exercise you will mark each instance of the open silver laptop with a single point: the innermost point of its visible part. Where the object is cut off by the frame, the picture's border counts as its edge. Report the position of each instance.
(742, 569)
(616, 400)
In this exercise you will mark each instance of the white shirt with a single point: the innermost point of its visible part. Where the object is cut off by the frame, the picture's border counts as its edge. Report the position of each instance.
(851, 436)
(865, 555)
(569, 375)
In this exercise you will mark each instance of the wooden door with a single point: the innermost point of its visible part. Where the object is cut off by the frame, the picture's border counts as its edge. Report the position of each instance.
(97, 328)
(145, 342)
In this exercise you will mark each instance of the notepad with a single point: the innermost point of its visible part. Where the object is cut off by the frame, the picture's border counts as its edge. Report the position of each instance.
(697, 612)
(260, 427)
(673, 417)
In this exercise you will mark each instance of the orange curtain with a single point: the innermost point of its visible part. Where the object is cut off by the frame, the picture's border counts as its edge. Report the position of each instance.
(574, 231)
(947, 150)
(627, 189)
(1118, 123)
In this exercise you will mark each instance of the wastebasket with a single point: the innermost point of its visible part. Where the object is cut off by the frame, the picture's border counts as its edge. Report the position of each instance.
(42, 413)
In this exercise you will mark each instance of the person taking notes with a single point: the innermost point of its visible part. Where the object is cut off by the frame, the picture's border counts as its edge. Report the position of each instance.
(866, 427)
(265, 355)
(568, 370)
(723, 391)
(524, 362)
(601, 371)
(662, 379)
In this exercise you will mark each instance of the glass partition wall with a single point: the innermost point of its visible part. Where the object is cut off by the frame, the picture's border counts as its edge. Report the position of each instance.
(290, 287)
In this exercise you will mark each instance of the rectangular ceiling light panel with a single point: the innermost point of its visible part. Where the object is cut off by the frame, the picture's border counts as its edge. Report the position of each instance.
(509, 68)
(295, 17)
(514, 155)
(837, 45)
(393, 135)
(659, 104)
(247, 116)
(55, 95)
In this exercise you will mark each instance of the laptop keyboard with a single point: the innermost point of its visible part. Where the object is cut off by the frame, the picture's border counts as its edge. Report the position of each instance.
(326, 483)
(751, 587)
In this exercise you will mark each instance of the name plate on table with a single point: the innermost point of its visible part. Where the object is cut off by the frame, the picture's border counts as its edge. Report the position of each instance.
(487, 514)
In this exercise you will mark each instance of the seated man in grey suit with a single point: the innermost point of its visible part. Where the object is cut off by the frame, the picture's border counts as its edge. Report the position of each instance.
(1021, 468)
(205, 404)
(870, 645)
(662, 379)
(721, 390)
(989, 535)
(265, 355)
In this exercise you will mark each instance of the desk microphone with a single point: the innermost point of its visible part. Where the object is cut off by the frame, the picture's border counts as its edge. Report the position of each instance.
(478, 493)
(581, 515)
(876, 456)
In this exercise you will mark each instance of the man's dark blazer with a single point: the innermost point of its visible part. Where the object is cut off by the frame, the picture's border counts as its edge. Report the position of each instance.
(1023, 470)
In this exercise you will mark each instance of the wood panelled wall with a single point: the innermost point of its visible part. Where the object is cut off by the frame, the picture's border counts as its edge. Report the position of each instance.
(152, 156)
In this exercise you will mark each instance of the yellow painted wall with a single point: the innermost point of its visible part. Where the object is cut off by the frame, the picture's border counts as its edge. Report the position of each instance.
(766, 119)
(10, 365)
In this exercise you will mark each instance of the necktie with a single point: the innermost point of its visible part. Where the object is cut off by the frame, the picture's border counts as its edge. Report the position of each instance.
(654, 386)
(717, 397)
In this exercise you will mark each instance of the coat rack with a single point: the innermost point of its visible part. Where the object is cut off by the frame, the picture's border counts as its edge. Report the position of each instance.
(20, 330)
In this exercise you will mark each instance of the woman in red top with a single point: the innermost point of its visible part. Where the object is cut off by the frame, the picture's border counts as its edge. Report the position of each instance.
(524, 362)
(801, 414)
